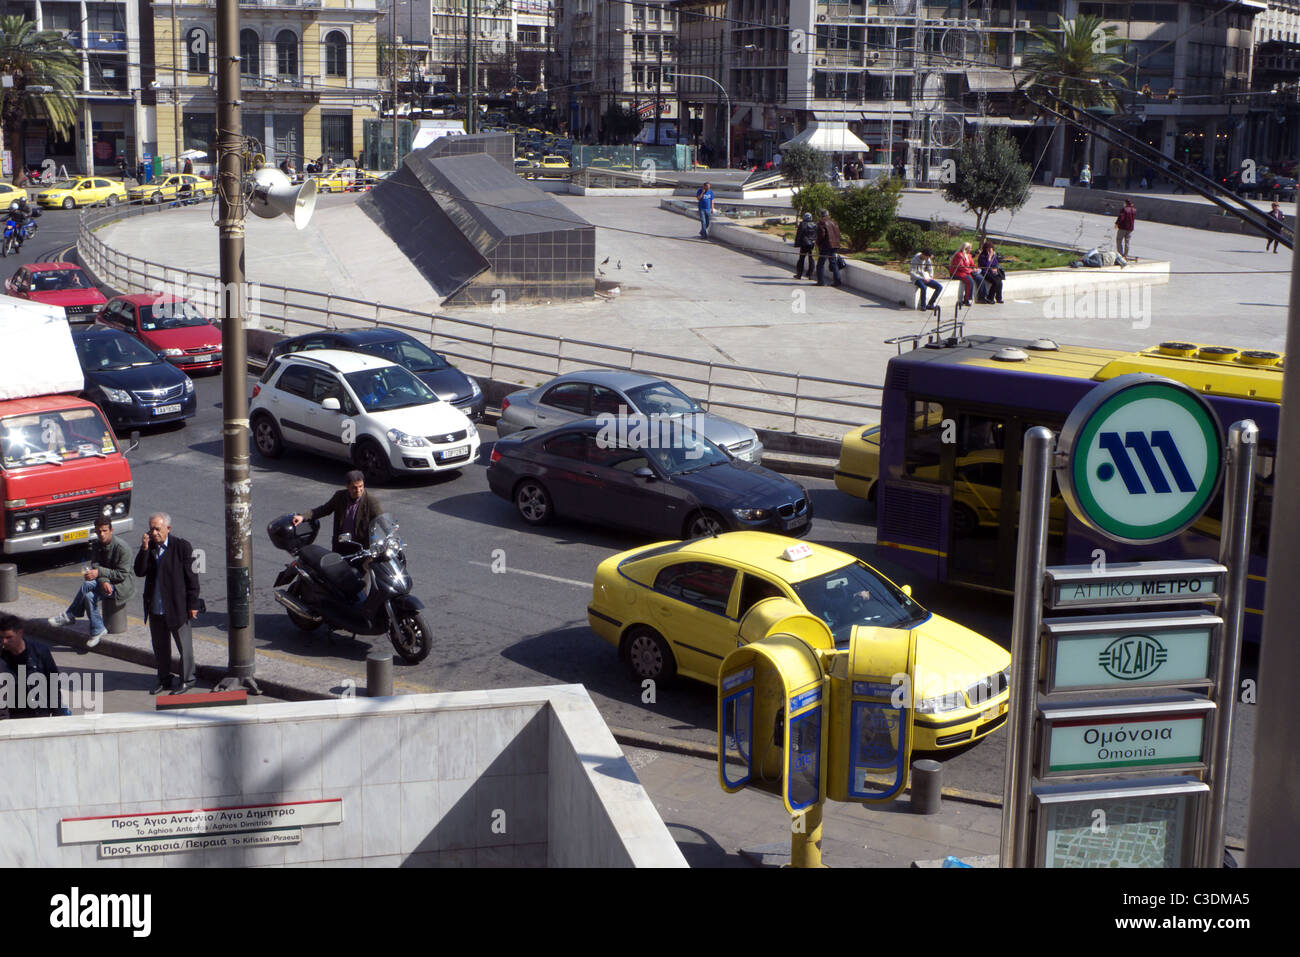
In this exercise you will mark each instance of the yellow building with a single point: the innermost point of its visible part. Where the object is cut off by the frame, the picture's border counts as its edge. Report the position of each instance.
(308, 76)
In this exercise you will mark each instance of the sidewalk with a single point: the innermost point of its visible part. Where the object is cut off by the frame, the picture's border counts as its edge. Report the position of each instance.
(711, 827)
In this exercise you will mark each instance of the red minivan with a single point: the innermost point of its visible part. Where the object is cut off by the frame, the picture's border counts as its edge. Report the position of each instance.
(170, 326)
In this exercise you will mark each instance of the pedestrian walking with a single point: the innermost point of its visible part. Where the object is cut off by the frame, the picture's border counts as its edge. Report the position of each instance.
(1085, 176)
(25, 659)
(805, 238)
(922, 273)
(1124, 223)
(189, 166)
(704, 199)
(962, 267)
(828, 247)
(171, 599)
(139, 173)
(1275, 213)
(991, 272)
(108, 580)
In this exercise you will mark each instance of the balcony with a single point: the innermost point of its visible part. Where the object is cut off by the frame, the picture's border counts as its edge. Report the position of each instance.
(98, 41)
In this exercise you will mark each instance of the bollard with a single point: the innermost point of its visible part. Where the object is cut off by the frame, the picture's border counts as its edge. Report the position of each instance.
(927, 786)
(114, 617)
(379, 674)
(8, 582)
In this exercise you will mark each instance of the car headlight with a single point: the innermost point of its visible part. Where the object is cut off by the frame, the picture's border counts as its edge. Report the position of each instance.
(20, 526)
(475, 389)
(952, 701)
(189, 386)
(120, 396)
(173, 352)
(35, 523)
(106, 510)
(750, 514)
(119, 508)
(402, 440)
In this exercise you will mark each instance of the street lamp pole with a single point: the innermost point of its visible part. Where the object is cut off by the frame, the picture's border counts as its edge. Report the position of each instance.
(231, 209)
(726, 99)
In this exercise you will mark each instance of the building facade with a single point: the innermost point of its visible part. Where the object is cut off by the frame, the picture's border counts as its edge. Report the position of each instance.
(308, 77)
(111, 122)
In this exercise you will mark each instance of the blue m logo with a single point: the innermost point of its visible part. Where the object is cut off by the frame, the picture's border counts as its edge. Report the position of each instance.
(1145, 452)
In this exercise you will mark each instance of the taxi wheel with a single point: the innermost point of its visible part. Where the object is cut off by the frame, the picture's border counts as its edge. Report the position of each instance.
(112, 200)
(69, 203)
(266, 436)
(648, 655)
(534, 502)
(156, 198)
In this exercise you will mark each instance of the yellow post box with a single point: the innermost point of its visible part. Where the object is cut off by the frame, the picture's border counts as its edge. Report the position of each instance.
(870, 716)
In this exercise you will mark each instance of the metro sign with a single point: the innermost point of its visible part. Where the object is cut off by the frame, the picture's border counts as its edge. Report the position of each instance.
(1144, 457)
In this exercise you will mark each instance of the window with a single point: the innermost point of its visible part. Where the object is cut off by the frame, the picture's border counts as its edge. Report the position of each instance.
(571, 445)
(296, 381)
(336, 136)
(605, 401)
(196, 50)
(286, 53)
(638, 76)
(250, 53)
(336, 54)
(924, 441)
(703, 584)
(753, 590)
(199, 131)
(569, 396)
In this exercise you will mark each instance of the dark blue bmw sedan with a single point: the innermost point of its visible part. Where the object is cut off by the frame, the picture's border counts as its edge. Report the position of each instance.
(133, 386)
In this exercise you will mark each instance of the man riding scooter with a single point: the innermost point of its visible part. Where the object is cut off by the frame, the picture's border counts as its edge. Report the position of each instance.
(22, 215)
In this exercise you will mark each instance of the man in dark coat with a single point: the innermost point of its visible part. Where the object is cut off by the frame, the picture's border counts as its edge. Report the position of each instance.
(353, 509)
(108, 580)
(23, 659)
(828, 248)
(171, 598)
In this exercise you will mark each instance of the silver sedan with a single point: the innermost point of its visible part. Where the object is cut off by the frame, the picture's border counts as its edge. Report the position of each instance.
(618, 396)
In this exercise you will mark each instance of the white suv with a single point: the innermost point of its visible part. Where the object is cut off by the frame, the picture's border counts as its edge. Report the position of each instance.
(360, 408)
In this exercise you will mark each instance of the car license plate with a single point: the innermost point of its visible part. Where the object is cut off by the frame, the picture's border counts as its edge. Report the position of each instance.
(454, 453)
(166, 409)
(76, 536)
(799, 522)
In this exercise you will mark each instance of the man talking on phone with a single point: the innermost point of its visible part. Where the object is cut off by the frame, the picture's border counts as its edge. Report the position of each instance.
(171, 599)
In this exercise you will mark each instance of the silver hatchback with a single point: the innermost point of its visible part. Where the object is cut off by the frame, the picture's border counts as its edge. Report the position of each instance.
(607, 393)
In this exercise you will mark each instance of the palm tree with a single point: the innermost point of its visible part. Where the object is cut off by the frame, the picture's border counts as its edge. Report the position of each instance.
(1073, 63)
(36, 58)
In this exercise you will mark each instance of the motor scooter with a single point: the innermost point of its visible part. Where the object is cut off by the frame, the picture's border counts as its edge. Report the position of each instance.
(366, 591)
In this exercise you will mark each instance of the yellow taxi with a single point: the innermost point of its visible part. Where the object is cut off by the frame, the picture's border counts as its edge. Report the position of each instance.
(336, 180)
(82, 191)
(9, 192)
(677, 608)
(553, 165)
(168, 188)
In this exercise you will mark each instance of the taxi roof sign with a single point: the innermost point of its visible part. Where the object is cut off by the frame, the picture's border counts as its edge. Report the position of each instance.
(797, 551)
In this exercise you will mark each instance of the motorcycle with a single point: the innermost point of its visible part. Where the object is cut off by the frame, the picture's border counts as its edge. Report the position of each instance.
(336, 589)
(16, 234)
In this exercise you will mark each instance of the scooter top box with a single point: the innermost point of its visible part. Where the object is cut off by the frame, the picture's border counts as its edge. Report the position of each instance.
(287, 537)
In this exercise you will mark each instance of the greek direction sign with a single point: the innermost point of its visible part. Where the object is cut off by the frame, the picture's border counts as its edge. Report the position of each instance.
(167, 826)
(1143, 458)
(1134, 583)
(1149, 823)
(1140, 734)
(1096, 652)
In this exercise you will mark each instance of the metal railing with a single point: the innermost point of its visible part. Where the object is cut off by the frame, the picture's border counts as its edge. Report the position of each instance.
(773, 399)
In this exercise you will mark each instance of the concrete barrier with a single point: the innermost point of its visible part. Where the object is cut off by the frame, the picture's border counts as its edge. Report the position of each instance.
(1192, 212)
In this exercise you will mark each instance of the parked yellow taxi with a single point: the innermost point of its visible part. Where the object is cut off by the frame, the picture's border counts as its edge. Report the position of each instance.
(675, 608)
(82, 191)
(168, 188)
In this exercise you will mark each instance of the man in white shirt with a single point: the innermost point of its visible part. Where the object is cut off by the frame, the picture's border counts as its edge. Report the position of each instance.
(922, 273)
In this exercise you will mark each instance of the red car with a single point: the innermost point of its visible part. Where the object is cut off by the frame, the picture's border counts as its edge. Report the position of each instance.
(58, 284)
(170, 326)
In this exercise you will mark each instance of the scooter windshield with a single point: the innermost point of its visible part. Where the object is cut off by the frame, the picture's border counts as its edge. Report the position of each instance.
(381, 529)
